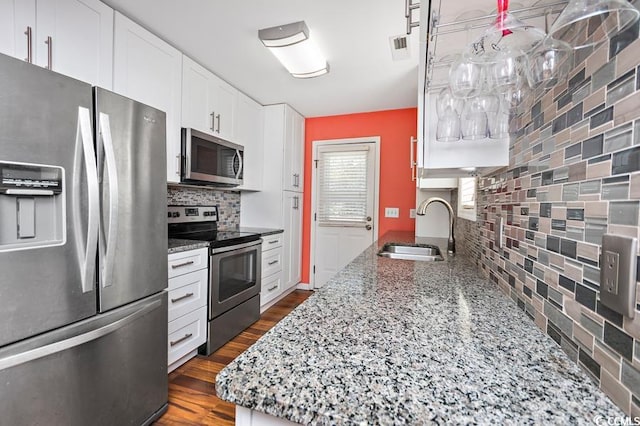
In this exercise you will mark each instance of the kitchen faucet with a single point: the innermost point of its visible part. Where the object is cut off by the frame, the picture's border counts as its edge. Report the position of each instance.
(422, 208)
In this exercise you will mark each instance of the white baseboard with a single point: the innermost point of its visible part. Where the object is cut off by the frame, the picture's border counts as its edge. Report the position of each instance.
(304, 286)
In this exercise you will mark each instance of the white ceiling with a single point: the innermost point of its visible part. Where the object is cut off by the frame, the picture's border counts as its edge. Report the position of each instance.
(353, 34)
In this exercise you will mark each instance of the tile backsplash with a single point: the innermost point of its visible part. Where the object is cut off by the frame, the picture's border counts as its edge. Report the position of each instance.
(574, 175)
(228, 202)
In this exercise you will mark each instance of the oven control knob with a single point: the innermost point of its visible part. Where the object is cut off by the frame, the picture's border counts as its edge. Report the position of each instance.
(169, 214)
(206, 213)
(176, 214)
(211, 213)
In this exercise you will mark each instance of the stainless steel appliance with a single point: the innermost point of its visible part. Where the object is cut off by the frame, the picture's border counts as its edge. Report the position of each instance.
(83, 314)
(210, 160)
(234, 271)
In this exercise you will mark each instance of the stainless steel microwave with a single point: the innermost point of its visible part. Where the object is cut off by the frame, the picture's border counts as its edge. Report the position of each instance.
(210, 160)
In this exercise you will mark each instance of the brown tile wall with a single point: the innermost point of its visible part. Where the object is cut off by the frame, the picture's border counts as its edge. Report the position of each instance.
(574, 174)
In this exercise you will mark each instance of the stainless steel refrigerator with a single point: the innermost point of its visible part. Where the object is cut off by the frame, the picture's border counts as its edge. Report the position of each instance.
(83, 249)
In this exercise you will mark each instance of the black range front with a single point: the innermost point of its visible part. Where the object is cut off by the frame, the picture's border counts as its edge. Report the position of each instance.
(234, 271)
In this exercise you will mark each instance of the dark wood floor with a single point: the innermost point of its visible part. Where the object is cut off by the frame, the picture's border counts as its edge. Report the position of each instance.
(192, 394)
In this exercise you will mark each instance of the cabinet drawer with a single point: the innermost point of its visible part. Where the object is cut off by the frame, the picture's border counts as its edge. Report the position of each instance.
(188, 261)
(271, 288)
(271, 262)
(272, 241)
(187, 293)
(186, 334)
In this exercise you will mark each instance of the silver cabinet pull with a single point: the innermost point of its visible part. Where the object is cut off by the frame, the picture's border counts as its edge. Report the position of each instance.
(29, 34)
(49, 43)
(178, 164)
(295, 203)
(273, 241)
(180, 265)
(213, 121)
(272, 288)
(414, 164)
(177, 299)
(218, 118)
(273, 262)
(182, 339)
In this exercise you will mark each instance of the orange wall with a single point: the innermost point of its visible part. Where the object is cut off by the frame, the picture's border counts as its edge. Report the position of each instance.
(394, 128)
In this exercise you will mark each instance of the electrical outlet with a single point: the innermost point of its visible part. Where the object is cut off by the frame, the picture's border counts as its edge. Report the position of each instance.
(498, 230)
(610, 270)
(412, 213)
(391, 212)
(618, 265)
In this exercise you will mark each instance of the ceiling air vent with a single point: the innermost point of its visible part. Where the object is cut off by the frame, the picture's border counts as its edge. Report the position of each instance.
(399, 47)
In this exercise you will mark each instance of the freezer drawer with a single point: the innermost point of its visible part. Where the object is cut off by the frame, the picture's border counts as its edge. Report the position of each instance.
(107, 370)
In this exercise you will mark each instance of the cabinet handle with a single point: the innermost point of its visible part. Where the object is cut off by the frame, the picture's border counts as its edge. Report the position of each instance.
(273, 262)
(272, 288)
(178, 164)
(177, 299)
(180, 265)
(414, 164)
(295, 203)
(273, 241)
(218, 118)
(29, 34)
(182, 339)
(49, 43)
(213, 121)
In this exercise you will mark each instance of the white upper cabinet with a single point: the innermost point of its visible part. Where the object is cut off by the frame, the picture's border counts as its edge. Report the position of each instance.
(72, 37)
(293, 173)
(209, 104)
(249, 132)
(149, 70)
(17, 27)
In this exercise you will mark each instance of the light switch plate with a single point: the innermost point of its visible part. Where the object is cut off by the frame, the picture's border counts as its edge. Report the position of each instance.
(391, 212)
(498, 230)
(412, 213)
(618, 273)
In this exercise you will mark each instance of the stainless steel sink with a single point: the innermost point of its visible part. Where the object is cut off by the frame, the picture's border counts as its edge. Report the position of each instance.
(423, 252)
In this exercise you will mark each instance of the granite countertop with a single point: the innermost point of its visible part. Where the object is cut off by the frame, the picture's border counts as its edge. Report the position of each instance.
(262, 231)
(177, 245)
(400, 342)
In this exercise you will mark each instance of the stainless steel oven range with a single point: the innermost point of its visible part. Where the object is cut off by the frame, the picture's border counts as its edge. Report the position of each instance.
(234, 271)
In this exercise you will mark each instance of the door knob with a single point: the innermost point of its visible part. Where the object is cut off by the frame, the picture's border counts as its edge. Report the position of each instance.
(368, 218)
(368, 227)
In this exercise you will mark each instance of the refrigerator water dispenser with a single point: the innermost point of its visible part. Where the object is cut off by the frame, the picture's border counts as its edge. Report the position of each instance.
(31, 206)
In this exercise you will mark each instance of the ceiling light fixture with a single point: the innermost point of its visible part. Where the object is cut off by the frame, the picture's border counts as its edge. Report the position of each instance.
(294, 49)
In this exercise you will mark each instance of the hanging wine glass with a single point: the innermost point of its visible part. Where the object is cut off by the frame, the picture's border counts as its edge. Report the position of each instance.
(584, 23)
(507, 71)
(499, 122)
(473, 122)
(448, 127)
(446, 100)
(549, 62)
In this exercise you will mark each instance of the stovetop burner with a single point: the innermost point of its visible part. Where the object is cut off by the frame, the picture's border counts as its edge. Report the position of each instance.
(199, 223)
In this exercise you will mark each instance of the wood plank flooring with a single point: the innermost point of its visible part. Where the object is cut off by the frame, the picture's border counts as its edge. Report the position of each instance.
(192, 395)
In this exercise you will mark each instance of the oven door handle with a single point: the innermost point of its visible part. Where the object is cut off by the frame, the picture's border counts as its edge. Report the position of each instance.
(219, 250)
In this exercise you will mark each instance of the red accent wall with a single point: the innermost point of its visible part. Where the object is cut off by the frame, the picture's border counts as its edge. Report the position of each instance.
(395, 128)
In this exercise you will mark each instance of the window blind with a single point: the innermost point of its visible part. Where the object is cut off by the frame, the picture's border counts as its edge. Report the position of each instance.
(468, 193)
(343, 186)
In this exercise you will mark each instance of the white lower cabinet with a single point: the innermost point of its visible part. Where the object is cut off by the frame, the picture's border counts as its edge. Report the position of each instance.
(272, 272)
(188, 283)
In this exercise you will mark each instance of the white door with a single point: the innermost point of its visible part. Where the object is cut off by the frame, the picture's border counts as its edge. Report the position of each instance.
(344, 191)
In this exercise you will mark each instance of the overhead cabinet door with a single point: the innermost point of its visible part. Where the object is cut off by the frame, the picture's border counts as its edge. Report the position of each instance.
(149, 70)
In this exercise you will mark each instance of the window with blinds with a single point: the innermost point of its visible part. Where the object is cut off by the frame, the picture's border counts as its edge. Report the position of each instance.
(342, 187)
(467, 198)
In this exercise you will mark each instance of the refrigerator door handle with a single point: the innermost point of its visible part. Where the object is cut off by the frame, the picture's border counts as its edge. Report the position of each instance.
(86, 249)
(71, 342)
(112, 172)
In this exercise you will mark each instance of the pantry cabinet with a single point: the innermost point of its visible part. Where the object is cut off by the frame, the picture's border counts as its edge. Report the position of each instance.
(72, 37)
(276, 205)
(249, 132)
(149, 70)
(209, 104)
